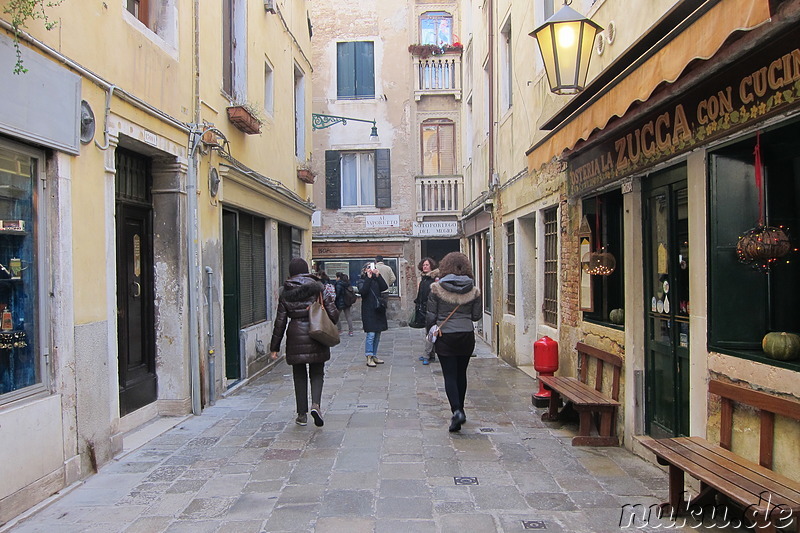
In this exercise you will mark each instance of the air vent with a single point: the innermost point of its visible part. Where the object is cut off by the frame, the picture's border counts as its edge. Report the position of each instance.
(600, 44)
(611, 32)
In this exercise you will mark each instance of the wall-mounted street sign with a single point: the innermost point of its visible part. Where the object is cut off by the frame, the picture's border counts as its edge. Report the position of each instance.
(382, 221)
(435, 229)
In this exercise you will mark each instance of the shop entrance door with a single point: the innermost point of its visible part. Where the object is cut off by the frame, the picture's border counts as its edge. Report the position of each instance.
(666, 289)
(135, 324)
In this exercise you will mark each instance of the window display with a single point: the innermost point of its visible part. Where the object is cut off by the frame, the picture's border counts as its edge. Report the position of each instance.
(19, 364)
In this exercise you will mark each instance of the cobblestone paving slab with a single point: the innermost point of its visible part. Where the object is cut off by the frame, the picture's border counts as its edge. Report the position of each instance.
(383, 462)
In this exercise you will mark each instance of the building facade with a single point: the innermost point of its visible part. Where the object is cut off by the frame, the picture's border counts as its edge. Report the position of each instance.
(146, 220)
(398, 194)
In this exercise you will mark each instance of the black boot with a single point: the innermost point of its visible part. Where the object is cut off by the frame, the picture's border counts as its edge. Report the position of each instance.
(458, 418)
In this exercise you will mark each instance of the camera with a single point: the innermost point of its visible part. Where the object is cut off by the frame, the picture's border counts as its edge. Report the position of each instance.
(372, 266)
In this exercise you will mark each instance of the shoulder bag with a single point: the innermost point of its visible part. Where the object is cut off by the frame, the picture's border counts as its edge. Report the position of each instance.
(436, 330)
(320, 326)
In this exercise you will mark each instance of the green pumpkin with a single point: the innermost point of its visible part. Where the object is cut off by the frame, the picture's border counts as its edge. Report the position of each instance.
(617, 316)
(781, 346)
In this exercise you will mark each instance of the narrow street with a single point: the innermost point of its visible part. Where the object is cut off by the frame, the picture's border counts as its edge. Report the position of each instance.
(384, 461)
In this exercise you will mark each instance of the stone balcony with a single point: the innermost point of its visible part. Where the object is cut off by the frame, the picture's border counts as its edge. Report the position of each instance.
(439, 195)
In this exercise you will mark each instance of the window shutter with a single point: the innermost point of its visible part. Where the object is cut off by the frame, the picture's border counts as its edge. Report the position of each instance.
(333, 180)
(365, 70)
(447, 144)
(259, 271)
(246, 269)
(383, 178)
(346, 70)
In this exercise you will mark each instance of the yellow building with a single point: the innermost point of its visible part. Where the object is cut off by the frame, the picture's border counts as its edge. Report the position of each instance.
(147, 222)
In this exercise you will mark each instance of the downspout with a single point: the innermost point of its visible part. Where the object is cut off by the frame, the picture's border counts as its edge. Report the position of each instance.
(191, 219)
(490, 64)
(212, 393)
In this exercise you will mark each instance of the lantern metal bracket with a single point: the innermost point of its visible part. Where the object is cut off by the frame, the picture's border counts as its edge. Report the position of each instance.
(320, 122)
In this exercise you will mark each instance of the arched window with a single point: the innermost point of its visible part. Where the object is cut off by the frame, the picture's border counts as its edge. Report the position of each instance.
(436, 27)
(438, 147)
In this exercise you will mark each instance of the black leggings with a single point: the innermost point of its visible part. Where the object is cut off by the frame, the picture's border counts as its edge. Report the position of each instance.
(454, 369)
(316, 371)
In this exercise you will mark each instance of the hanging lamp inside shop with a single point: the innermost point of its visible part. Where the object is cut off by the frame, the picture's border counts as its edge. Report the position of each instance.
(761, 246)
(600, 262)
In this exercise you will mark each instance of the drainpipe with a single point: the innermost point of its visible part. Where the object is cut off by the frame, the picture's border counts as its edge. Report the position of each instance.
(191, 219)
(490, 64)
(212, 396)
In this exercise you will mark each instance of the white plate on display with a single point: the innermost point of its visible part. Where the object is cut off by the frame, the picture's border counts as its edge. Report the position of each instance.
(660, 306)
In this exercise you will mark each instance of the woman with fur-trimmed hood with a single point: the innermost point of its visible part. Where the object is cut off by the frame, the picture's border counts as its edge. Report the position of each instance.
(454, 304)
(299, 292)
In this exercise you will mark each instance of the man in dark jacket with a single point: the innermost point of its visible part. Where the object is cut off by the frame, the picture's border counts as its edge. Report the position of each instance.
(298, 293)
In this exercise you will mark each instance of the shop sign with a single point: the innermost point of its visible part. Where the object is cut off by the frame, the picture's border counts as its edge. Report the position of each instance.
(761, 84)
(382, 221)
(435, 229)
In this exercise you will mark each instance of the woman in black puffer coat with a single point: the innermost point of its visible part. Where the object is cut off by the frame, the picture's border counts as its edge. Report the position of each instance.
(299, 292)
(455, 296)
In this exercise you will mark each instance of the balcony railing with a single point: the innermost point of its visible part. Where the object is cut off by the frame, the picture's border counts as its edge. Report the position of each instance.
(439, 74)
(440, 195)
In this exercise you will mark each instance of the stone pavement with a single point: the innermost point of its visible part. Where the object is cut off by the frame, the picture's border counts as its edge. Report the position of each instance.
(383, 462)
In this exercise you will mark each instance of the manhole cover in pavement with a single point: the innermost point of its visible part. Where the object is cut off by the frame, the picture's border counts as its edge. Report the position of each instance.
(466, 480)
(533, 524)
(362, 406)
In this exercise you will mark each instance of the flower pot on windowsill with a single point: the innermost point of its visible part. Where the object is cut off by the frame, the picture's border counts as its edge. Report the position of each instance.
(305, 175)
(244, 120)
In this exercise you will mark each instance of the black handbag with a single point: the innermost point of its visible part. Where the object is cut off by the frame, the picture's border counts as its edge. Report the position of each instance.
(417, 319)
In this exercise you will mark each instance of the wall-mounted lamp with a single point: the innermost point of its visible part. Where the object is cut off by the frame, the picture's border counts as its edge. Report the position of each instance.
(565, 41)
(320, 122)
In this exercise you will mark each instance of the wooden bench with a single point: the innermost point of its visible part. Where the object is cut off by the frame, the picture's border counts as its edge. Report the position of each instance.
(768, 498)
(589, 402)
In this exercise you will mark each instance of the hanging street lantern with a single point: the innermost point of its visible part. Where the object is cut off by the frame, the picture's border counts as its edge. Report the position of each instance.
(566, 40)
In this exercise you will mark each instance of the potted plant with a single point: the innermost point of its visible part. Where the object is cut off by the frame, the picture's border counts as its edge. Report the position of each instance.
(428, 50)
(245, 117)
(304, 172)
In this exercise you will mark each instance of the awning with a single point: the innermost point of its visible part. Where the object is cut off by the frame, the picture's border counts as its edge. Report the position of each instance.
(701, 40)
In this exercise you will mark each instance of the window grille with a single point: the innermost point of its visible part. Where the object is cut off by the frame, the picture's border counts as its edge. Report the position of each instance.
(510, 272)
(550, 305)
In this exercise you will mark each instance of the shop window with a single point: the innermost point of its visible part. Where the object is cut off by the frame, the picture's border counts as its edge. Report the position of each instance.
(20, 237)
(511, 268)
(438, 147)
(745, 303)
(603, 214)
(358, 179)
(353, 266)
(436, 27)
(252, 270)
(550, 304)
(355, 70)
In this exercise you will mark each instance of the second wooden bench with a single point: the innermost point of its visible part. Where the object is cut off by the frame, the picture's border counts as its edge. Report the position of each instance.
(596, 411)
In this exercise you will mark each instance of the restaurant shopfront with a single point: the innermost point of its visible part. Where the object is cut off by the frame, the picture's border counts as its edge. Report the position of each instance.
(668, 188)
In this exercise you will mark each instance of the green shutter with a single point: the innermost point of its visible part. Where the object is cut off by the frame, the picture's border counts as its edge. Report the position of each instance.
(346, 70)
(383, 178)
(259, 271)
(365, 70)
(333, 180)
(245, 269)
(737, 293)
